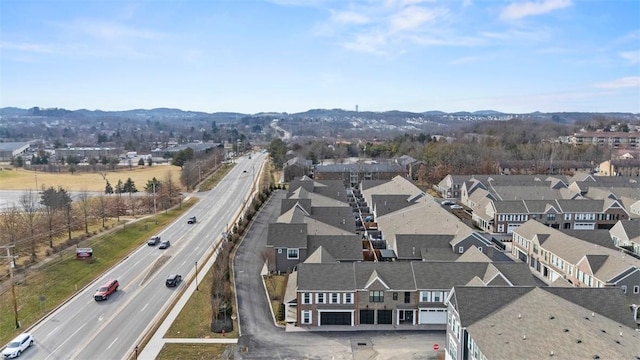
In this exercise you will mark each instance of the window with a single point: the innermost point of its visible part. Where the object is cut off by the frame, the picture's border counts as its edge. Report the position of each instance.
(348, 298)
(425, 296)
(461, 249)
(480, 248)
(437, 296)
(395, 296)
(376, 296)
(292, 253)
(636, 289)
(320, 298)
(335, 298)
(407, 297)
(567, 216)
(551, 216)
(306, 317)
(306, 298)
(624, 288)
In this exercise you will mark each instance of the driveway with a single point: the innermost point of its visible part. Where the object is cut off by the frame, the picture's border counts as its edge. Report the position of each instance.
(261, 339)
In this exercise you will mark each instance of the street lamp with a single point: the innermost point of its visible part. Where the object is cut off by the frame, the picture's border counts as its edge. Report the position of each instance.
(197, 276)
(155, 211)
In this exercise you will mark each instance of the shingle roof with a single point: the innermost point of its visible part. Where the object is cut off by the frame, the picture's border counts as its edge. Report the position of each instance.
(326, 277)
(384, 204)
(396, 275)
(444, 275)
(359, 167)
(343, 248)
(318, 255)
(283, 235)
(473, 255)
(410, 246)
(533, 323)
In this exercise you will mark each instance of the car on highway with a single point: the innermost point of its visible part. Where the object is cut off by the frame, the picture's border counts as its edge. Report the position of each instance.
(107, 289)
(164, 245)
(18, 345)
(173, 280)
(155, 240)
(192, 220)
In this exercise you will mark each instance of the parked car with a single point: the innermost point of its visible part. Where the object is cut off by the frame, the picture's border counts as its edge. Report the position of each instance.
(455, 207)
(155, 240)
(447, 202)
(14, 348)
(107, 289)
(165, 244)
(173, 280)
(192, 220)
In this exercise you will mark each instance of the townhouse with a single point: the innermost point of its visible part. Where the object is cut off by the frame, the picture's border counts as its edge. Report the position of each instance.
(626, 234)
(555, 256)
(539, 322)
(391, 295)
(352, 174)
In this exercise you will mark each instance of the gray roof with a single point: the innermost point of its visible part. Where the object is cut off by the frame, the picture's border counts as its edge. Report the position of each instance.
(319, 255)
(411, 246)
(339, 217)
(581, 205)
(11, 146)
(360, 168)
(366, 184)
(385, 204)
(283, 235)
(533, 323)
(444, 275)
(599, 237)
(326, 277)
(396, 275)
(340, 247)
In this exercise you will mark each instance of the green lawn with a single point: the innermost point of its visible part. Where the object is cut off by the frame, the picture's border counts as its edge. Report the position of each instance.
(194, 351)
(50, 285)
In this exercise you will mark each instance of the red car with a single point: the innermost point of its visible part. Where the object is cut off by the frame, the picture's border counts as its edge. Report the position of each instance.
(105, 290)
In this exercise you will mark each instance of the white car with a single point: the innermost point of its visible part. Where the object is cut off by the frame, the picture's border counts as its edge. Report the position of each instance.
(21, 343)
(455, 207)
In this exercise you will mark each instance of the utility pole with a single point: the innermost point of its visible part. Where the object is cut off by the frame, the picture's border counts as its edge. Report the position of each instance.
(155, 212)
(10, 258)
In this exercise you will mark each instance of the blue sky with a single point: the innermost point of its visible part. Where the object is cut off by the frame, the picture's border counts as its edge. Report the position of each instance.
(293, 55)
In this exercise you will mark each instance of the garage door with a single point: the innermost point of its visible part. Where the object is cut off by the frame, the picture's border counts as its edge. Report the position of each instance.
(335, 318)
(433, 316)
(511, 227)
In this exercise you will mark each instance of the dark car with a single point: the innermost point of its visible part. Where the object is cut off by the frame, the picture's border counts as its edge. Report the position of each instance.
(192, 220)
(173, 280)
(154, 240)
(107, 289)
(165, 244)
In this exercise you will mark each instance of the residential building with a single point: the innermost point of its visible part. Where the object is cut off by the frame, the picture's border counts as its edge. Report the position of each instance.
(539, 323)
(391, 295)
(626, 234)
(612, 139)
(352, 174)
(623, 167)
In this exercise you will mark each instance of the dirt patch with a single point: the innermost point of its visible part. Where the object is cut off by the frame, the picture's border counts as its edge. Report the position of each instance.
(157, 265)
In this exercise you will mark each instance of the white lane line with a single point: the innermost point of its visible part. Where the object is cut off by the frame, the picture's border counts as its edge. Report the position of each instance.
(52, 331)
(184, 262)
(101, 317)
(62, 343)
(197, 247)
(113, 342)
(144, 307)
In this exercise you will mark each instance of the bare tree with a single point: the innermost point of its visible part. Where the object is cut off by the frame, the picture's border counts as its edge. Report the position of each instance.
(31, 215)
(103, 208)
(85, 207)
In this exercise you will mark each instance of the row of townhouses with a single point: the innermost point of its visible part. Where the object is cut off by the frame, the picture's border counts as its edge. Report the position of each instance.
(384, 255)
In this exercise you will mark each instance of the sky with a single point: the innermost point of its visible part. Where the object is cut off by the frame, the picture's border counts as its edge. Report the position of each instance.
(253, 56)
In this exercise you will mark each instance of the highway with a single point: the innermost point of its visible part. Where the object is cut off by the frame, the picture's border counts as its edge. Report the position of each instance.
(85, 329)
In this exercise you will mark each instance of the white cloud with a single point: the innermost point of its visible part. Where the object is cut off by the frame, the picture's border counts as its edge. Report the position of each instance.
(466, 3)
(413, 17)
(370, 43)
(625, 82)
(349, 17)
(26, 47)
(520, 10)
(631, 56)
(107, 30)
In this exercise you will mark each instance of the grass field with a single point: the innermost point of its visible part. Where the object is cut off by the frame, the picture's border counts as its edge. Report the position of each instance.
(193, 351)
(21, 179)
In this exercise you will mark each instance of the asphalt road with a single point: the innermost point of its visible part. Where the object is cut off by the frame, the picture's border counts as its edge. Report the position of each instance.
(261, 339)
(85, 329)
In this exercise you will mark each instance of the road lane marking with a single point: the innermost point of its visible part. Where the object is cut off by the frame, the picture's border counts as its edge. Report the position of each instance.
(62, 343)
(101, 317)
(52, 331)
(113, 342)
(144, 307)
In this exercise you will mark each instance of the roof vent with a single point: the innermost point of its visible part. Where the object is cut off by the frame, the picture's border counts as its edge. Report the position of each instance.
(603, 331)
(524, 337)
(551, 317)
(551, 353)
(595, 357)
(519, 316)
(578, 341)
(566, 330)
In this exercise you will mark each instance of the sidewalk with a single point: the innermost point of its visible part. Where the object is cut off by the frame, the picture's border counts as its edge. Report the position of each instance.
(157, 341)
